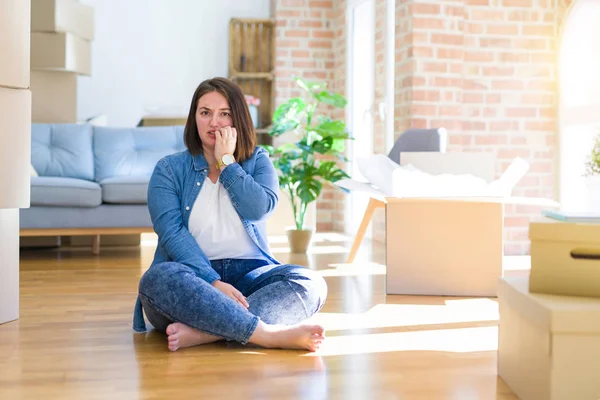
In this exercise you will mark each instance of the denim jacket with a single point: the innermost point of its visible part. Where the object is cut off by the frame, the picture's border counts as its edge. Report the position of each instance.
(253, 188)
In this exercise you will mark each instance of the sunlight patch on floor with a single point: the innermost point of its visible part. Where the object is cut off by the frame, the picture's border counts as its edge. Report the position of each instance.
(356, 269)
(319, 237)
(447, 340)
(406, 315)
(313, 250)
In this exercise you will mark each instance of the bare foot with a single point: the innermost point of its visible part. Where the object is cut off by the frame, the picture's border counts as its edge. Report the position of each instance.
(181, 336)
(305, 337)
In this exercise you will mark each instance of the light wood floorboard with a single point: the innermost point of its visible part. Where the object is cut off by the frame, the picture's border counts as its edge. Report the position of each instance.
(74, 338)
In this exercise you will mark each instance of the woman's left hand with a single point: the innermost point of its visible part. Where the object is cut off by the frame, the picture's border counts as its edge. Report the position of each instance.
(225, 141)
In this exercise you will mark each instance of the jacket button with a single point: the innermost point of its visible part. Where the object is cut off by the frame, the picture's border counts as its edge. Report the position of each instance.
(197, 183)
(187, 208)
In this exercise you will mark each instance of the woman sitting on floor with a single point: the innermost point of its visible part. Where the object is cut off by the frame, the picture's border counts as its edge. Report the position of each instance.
(213, 276)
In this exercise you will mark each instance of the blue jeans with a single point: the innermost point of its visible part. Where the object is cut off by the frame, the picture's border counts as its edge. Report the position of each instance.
(277, 294)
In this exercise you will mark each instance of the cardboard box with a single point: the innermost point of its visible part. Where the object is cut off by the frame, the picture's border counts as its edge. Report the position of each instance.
(441, 238)
(54, 97)
(15, 147)
(60, 52)
(9, 265)
(565, 258)
(68, 16)
(163, 120)
(548, 346)
(14, 43)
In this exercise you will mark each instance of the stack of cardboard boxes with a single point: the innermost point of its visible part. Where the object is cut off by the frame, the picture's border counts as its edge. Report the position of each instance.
(549, 329)
(61, 36)
(15, 137)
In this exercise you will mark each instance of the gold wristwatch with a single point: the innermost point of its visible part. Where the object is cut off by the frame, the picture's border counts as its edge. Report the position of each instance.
(225, 160)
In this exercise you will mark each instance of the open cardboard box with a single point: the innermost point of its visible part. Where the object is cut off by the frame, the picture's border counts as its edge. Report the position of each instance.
(447, 241)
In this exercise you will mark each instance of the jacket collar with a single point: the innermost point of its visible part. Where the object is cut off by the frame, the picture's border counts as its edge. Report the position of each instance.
(199, 162)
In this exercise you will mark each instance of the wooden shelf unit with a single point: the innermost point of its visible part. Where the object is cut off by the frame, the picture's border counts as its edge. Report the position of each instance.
(252, 65)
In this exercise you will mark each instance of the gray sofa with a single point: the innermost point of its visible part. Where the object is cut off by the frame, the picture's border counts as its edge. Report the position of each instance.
(93, 180)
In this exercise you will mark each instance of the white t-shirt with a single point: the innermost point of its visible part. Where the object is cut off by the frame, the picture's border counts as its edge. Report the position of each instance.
(217, 227)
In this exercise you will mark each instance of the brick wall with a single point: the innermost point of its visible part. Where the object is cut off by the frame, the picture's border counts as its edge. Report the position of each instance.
(486, 71)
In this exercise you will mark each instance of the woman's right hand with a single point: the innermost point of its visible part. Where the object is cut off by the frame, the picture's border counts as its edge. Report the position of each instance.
(232, 292)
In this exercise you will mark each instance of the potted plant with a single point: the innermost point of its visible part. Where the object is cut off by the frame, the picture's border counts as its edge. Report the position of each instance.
(312, 159)
(592, 177)
(253, 104)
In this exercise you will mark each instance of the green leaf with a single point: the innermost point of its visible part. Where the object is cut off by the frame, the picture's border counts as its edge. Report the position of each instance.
(332, 127)
(329, 171)
(333, 99)
(270, 149)
(288, 116)
(312, 137)
(308, 189)
(309, 86)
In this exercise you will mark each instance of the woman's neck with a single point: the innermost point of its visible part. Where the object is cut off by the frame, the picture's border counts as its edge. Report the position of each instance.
(209, 156)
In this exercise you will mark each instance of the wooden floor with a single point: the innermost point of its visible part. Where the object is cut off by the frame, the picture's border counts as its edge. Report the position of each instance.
(74, 339)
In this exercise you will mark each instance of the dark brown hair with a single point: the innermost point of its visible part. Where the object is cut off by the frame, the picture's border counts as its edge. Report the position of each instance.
(240, 115)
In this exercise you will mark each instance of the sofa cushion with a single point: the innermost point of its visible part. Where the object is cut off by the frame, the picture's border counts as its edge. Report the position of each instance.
(125, 189)
(63, 150)
(104, 216)
(64, 192)
(133, 151)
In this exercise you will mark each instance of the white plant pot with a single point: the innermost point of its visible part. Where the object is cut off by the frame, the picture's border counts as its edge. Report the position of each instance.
(592, 193)
(254, 115)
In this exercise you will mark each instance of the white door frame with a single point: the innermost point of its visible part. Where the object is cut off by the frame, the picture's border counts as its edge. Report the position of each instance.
(351, 5)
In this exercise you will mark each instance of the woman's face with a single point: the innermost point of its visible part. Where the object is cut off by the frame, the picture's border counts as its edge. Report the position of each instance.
(212, 114)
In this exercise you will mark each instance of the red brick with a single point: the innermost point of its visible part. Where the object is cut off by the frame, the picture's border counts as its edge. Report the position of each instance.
(296, 33)
(473, 97)
(293, 3)
(513, 153)
(450, 111)
(310, 24)
(473, 125)
(517, 3)
(532, 44)
(443, 38)
(479, 56)
(428, 23)
(423, 110)
(320, 44)
(424, 8)
(520, 112)
(464, 140)
(538, 30)
(498, 71)
(491, 139)
(322, 34)
(426, 95)
(433, 66)
(300, 54)
(504, 125)
(549, 126)
(420, 51)
(320, 3)
(472, 27)
(494, 42)
(450, 53)
(488, 15)
(289, 13)
(504, 29)
(493, 98)
(455, 11)
(507, 85)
